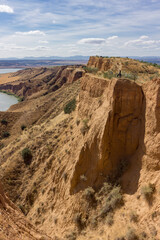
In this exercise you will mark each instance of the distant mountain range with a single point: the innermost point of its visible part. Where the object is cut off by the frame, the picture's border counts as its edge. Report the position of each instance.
(72, 58)
(57, 61)
(152, 59)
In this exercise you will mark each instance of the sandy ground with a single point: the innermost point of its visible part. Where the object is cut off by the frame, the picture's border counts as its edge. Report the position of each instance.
(7, 77)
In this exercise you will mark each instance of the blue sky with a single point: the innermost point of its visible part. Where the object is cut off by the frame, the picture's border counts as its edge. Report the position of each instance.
(79, 27)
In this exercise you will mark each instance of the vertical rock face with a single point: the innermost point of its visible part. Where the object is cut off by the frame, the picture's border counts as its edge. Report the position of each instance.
(152, 122)
(125, 121)
(115, 121)
(102, 64)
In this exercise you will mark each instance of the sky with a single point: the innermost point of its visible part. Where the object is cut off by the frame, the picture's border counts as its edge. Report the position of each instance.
(43, 28)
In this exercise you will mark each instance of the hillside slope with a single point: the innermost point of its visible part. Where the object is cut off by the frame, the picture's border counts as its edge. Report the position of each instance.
(13, 225)
(94, 173)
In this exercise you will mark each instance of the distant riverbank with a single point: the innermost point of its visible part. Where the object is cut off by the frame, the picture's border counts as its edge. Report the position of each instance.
(9, 70)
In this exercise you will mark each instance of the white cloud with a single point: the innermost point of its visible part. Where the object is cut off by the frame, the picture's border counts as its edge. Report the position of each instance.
(6, 9)
(43, 41)
(36, 32)
(92, 41)
(142, 42)
(144, 37)
(112, 38)
(97, 41)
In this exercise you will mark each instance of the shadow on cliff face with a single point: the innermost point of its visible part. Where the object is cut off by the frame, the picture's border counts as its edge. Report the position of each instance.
(157, 110)
(119, 139)
(130, 179)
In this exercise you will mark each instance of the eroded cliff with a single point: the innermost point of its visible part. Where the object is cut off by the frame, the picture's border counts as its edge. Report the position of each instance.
(94, 173)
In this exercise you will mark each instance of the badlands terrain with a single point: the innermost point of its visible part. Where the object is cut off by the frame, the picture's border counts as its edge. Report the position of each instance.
(80, 154)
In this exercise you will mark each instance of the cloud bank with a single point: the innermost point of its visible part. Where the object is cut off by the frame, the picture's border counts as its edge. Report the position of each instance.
(123, 28)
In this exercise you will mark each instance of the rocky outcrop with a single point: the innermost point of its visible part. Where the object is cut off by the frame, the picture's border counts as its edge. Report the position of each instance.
(114, 112)
(116, 64)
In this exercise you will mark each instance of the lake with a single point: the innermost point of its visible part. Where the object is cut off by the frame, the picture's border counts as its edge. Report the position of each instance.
(9, 70)
(7, 100)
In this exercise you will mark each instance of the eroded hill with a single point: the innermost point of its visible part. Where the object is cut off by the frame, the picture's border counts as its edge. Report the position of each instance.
(92, 173)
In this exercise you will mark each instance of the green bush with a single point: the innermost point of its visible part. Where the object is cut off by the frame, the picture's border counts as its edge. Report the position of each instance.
(4, 122)
(23, 127)
(109, 74)
(5, 134)
(27, 156)
(70, 106)
(91, 70)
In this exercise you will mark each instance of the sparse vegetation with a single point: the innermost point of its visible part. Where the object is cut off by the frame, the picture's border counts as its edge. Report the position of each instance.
(120, 238)
(93, 221)
(106, 188)
(154, 76)
(85, 127)
(27, 156)
(30, 198)
(109, 74)
(131, 234)
(70, 106)
(150, 64)
(79, 221)
(83, 178)
(5, 134)
(90, 70)
(143, 235)
(147, 191)
(89, 194)
(1, 146)
(114, 200)
(65, 175)
(109, 219)
(71, 236)
(22, 208)
(132, 76)
(133, 217)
